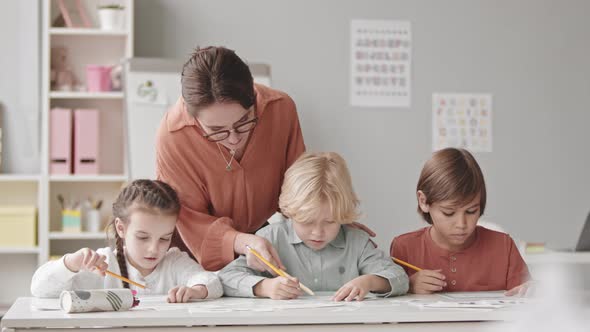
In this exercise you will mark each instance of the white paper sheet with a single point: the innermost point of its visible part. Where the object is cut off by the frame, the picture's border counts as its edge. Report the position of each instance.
(380, 63)
(322, 300)
(458, 305)
(475, 295)
(474, 300)
(159, 303)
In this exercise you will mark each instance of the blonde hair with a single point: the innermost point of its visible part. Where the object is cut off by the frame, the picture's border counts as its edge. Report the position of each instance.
(315, 179)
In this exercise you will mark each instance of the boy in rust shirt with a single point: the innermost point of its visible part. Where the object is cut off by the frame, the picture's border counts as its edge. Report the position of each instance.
(454, 253)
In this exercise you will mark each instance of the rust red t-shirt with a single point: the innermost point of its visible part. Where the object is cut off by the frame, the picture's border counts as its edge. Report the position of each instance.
(492, 262)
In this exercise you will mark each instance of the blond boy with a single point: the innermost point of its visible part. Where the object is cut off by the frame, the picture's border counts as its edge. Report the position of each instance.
(314, 244)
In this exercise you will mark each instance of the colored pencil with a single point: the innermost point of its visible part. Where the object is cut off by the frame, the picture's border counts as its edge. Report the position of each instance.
(399, 261)
(114, 275)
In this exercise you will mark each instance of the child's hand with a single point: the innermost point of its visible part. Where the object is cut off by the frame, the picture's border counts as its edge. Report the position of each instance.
(357, 289)
(86, 259)
(522, 290)
(278, 288)
(427, 282)
(182, 294)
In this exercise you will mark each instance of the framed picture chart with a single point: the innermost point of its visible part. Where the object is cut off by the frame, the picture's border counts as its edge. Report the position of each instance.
(380, 63)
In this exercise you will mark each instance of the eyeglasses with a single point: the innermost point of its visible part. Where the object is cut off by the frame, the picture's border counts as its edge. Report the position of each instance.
(239, 128)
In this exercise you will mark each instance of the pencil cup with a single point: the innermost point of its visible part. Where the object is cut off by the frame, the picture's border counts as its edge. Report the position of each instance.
(98, 78)
(93, 222)
(97, 300)
(71, 221)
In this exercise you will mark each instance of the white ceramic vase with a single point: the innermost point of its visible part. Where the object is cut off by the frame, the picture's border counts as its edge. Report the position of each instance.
(111, 18)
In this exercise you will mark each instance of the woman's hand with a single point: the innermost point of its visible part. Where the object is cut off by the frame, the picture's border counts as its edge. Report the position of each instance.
(362, 227)
(86, 259)
(357, 225)
(262, 246)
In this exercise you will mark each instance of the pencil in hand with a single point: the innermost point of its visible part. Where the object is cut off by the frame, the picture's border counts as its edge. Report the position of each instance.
(278, 271)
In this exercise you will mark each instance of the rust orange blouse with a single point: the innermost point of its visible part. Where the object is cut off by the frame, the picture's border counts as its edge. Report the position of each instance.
(217, 203)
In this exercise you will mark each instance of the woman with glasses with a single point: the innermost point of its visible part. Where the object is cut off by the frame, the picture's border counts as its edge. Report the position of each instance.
(225, 146)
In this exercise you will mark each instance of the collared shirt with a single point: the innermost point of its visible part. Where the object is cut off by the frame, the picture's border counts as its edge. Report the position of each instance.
(216, 203)
(175, 269)
(491, 263)
(349, 255)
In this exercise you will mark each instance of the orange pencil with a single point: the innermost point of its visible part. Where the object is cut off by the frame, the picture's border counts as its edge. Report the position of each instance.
(114, 275)
(406, 264)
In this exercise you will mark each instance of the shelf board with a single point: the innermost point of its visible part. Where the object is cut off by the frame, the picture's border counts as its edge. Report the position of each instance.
(88, 178)
(86, 95)
(19, 178)
(87, 32)
(19, 250)
(77, 236)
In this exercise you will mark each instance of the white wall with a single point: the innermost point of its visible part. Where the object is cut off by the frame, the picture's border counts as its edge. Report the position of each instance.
(19, 85)
(531, 55)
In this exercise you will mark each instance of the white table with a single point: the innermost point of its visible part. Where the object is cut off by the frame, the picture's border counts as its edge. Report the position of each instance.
(372, 315)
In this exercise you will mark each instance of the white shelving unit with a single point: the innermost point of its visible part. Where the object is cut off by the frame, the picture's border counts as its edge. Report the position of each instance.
(85, 46)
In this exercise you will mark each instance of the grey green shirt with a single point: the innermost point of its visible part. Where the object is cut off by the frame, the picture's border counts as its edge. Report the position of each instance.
(349, 255)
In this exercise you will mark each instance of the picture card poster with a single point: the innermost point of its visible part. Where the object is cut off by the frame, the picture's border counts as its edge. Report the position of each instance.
(462, 121)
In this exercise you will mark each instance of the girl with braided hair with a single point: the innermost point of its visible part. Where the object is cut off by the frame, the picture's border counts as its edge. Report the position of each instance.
(144, 219)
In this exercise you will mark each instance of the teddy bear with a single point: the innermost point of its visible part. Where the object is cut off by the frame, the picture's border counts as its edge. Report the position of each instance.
(62, 78)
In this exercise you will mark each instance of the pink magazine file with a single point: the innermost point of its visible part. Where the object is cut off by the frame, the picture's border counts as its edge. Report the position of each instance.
(86, 141)
(60, 141)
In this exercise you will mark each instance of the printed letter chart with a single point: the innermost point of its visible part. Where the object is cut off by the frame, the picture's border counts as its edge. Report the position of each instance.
(462, 121)
(380, 63)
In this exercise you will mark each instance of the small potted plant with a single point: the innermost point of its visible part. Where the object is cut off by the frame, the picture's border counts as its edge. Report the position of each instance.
(111, 17)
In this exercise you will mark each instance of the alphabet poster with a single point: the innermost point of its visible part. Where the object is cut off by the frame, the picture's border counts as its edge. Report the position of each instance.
(380, 61)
